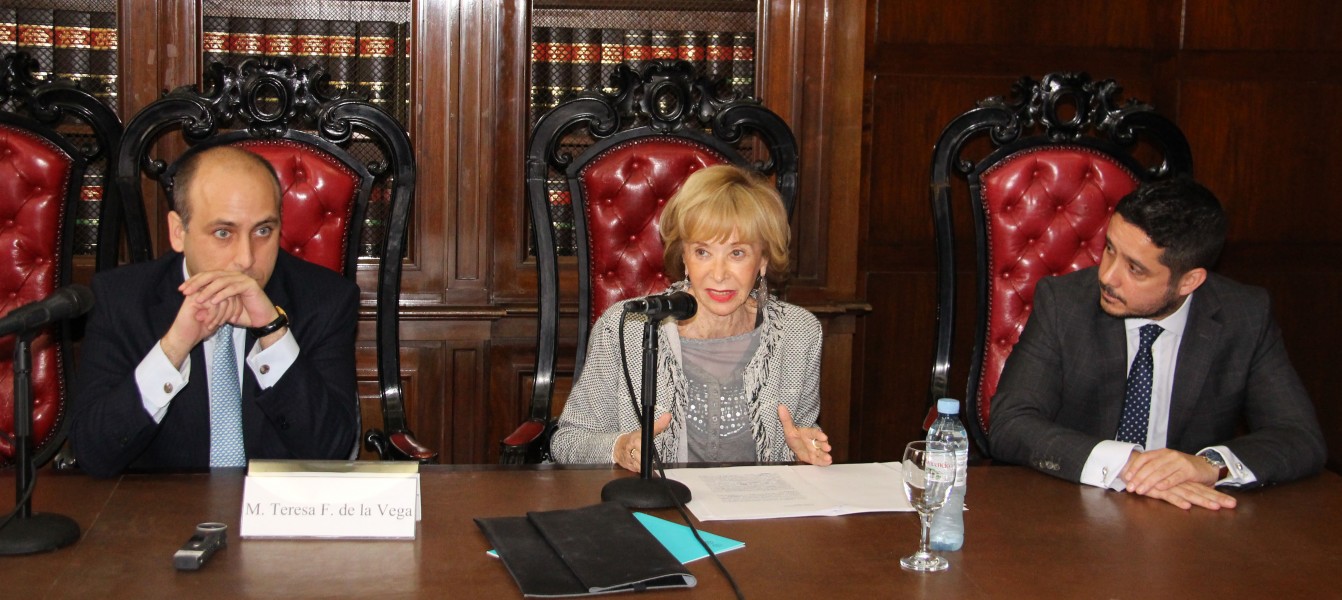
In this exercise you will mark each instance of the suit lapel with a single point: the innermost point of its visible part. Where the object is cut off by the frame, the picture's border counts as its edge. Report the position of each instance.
(1112, 353)
(1201, 337)
(169, 300)
(191, 408)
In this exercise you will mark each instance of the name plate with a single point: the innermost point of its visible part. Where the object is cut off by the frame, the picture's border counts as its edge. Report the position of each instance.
(330, 499)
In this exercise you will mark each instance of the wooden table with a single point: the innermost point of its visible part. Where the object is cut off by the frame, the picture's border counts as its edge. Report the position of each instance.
(1028, 536)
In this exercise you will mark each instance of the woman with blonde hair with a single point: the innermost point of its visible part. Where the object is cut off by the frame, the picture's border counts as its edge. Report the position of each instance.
(734, 381)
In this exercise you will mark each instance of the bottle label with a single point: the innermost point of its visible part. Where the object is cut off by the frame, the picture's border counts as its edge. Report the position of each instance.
(941, 467)
(961, 467)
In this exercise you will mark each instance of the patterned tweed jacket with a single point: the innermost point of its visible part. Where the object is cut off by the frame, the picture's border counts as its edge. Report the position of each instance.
(784, 370)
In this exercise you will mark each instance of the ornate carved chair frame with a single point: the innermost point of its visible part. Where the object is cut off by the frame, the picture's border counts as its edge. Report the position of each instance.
(274, 106)
(1052, 132)
(50, 169)
(663, 111)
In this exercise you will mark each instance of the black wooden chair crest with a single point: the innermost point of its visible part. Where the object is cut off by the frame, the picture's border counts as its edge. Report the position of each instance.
(661, 125)
(320, 143)
(1061, 154)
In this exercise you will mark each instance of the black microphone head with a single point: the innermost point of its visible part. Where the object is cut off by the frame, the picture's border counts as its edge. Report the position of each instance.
(680, 305)
(66, 303)
(71, 301)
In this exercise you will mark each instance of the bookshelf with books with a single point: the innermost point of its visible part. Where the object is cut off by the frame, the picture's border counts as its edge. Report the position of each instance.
(362, 46)
(577, 45)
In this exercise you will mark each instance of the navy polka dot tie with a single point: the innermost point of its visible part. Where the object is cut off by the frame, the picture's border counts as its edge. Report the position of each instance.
(1137, 401)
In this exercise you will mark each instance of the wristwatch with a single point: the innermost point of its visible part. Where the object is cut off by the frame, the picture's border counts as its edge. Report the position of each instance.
(281, 321)
(1214, 459)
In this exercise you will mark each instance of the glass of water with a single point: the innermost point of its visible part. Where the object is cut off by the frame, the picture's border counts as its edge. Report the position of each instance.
(929, 474)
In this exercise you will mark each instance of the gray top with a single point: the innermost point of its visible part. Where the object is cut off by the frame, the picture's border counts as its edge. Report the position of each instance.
(784, 369)
(717, 416)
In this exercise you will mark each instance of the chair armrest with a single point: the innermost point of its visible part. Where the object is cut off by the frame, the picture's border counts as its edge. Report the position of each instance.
(527, 443)
(398, 445)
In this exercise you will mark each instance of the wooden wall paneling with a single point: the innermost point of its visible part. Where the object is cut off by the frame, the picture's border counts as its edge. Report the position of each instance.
(512, 370)
(1006, 25)
(513, 272)
(1303, 26)
(466, 162)
(837, 383)
(444, 374)
(810, 73)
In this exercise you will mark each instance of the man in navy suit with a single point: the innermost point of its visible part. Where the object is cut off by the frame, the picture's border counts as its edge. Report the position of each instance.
(153, 391)
(1153, 375)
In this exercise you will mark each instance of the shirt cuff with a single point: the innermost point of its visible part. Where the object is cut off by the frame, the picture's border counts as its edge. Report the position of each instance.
(1105, 462)
(271, 364)
(1236, 472)
(159, 381)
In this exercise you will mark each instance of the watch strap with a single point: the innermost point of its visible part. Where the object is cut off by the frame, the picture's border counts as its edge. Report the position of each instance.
(282, 320)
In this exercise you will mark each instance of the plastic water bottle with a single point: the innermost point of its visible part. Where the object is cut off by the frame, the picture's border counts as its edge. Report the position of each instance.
(948, 525)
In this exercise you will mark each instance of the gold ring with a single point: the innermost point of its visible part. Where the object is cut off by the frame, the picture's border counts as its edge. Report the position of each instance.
(815, 443)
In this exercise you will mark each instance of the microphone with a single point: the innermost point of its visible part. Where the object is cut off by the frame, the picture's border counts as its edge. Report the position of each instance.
(680, 305)
(66, 303)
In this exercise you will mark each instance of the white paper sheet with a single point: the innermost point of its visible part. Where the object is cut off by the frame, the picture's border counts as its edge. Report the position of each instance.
(774, 492)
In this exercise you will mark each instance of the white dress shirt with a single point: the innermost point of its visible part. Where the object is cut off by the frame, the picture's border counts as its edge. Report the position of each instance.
(160, 381)
(1108, 457)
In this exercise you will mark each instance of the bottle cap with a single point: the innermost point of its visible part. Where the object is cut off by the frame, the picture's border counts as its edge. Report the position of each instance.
(948, 406)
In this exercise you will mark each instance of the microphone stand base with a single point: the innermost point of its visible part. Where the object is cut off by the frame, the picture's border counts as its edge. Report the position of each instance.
(637, 492)
(41, 532)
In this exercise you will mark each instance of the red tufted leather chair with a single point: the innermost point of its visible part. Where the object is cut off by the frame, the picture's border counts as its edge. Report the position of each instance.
(645, 140)
(1040, 200)
(41, 176)
(314, 138)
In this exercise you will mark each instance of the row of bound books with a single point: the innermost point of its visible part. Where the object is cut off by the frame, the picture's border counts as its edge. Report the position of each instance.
(80, 46)
(76, 45)
(568, 60)
(369, 57)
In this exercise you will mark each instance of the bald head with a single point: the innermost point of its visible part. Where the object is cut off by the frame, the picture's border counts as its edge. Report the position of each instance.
(216, 166)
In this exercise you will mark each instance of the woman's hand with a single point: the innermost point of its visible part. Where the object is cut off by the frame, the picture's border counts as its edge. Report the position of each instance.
(809, 444)
(628, 451)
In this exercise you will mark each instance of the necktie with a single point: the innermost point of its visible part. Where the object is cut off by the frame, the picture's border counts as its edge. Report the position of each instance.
(226, 449)
(1137, 400)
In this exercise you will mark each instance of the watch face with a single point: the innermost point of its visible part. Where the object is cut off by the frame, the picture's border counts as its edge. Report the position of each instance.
(1214, 458)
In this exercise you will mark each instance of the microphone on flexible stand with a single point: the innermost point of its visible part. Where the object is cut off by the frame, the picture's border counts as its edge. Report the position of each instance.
(26, 532)
(643, 491)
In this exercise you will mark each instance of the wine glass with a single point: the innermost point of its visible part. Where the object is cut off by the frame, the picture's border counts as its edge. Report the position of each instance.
(929, 474)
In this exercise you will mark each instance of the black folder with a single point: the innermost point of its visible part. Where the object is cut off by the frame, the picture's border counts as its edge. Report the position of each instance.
(599, 549)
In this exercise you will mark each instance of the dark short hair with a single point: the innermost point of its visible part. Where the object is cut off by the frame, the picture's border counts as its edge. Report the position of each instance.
(1182, 218)
(186, 172)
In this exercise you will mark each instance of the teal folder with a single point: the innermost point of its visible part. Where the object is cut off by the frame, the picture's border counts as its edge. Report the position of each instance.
(680, 540)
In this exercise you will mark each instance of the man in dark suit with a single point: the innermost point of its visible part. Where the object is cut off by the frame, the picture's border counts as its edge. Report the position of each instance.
(224, 350)
(1151, 374)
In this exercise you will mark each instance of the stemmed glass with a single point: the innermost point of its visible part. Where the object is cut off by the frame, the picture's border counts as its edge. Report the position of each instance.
(929, 474)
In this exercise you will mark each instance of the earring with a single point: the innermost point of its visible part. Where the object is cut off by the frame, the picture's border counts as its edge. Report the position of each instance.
(686, 282)
(761, 292)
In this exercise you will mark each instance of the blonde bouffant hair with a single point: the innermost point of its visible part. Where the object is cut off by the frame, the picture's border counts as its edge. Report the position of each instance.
(715, 201)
